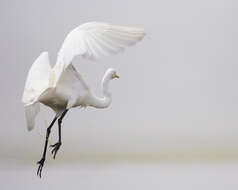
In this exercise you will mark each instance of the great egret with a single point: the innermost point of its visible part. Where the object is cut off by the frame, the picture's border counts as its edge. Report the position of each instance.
(62, 87)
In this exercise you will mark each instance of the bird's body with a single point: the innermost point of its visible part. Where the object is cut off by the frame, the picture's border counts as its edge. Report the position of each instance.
(59, 96)
(61, 87)
(75, 94)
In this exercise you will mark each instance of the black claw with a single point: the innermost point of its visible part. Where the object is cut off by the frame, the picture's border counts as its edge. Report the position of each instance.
(41, 164)
(55, 149)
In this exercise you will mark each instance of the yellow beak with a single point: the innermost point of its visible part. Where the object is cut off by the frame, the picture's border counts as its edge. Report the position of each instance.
(116, 76)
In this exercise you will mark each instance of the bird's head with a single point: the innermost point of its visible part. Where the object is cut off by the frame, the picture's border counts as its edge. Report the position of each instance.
(111, 74)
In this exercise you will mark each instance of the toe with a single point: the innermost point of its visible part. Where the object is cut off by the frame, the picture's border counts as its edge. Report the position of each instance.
(53, 145)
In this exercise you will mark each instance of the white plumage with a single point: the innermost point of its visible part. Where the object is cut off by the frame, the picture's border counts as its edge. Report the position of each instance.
(62, 87)
(36, 83)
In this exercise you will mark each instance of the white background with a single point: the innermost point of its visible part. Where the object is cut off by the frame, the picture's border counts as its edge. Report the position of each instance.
(176, 98)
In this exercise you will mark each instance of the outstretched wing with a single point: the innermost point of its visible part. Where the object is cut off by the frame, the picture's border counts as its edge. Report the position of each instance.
(37, 81)
(93, 40)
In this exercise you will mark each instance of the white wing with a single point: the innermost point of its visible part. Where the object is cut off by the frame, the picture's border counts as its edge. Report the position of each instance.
(30, 113)
(93, 40)
(36, 82)
(72, 86)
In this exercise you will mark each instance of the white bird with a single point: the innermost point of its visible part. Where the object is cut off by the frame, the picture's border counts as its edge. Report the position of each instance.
(62, 87)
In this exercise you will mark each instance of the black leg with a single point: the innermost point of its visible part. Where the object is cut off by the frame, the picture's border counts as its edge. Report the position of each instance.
(41, 162)
(57, 145)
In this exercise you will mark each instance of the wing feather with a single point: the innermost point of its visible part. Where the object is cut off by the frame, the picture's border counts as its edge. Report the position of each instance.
(30, 113)
(107, 44)
(37, 79)
(36, 83)
(95, 39)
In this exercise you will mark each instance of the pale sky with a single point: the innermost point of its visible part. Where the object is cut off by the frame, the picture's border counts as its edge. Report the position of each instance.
(177, 90)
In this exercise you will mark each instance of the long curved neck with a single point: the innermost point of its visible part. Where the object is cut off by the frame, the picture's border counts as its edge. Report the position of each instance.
(105, 101)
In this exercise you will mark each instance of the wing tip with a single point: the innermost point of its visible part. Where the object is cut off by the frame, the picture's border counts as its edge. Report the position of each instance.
(30, 114)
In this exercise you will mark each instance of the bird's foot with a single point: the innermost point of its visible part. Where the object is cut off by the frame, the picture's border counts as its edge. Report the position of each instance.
(41, 164)
(55, 149)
